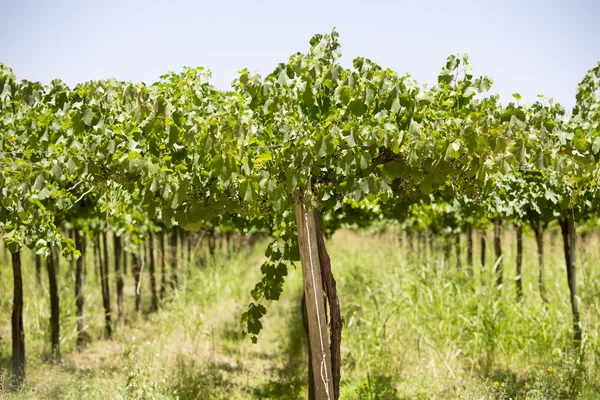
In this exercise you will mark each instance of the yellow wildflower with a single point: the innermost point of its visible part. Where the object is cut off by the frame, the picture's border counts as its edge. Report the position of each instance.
(549, 369)
(496, 384)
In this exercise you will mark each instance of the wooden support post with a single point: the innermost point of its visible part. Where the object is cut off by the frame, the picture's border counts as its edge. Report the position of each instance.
(18, 333)
(318, 333)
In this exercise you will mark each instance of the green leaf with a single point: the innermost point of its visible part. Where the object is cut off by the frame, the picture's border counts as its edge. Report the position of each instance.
(324, 146)
(596, 145)
(175, 201)
(351, 139)
(343, 93)
(365, 186)
(563, 136)
(43, 194)
(166, 191)
(40, 182)
(413, 158)
(265, 178)
(357, 195)
(357, 107)
(452, 151)
(364, 163)
(427, 185)
(12, 245)
(370, 94)
(279, 200)
(424, 98)
(87, 116)
(414, 128)
(485, 84)
(247, 189)
(173, 132)
(196, 217)
(282, 77)
(319, 50)
(268, 156)
(71, 166)
(469, 92)
(292, 180)
(445, 76)
(393, 169)
(395, 106)
(56, 172)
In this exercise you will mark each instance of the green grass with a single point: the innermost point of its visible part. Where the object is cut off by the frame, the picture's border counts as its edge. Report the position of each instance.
(414, 329)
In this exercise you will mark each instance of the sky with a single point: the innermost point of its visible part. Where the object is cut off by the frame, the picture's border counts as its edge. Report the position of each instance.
(527, 46)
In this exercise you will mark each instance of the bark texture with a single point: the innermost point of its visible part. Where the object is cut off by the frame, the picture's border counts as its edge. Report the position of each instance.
(18, 333)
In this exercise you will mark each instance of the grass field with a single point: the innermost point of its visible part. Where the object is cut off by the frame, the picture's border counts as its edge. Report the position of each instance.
(414, 328)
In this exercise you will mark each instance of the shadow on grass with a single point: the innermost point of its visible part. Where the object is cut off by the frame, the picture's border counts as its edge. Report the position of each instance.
(513, 384)
(566, 383)
(378, 387)
(5, 360)
(209, 381)
(80, 372)
(5, 372)
(289, 380)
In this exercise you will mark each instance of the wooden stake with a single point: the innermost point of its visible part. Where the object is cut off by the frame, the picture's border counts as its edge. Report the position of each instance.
(315, 307)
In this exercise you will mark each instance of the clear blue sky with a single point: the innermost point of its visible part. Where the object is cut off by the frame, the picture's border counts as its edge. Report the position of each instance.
(528, 46)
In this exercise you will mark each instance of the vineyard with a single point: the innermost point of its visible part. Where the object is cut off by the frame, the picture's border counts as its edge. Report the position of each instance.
(422, 241)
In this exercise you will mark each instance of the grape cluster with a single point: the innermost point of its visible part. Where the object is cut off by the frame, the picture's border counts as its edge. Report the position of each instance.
(233, 193)
(263, 207)
(468, 187)
(406, 185)
(196, 193)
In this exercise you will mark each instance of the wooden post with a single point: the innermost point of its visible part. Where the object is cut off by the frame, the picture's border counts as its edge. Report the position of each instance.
(498, 250)
(38, 269)
(136, 269)
(80, 267)
(54, 305)
(318, 334)
(335, 315)
(567, 226)
(106, 286)
(470, 248)
(174, 259)
(163, 265)
(118, 249)
(539, 238)
(18, 333)
(154, 304)
(457, 250)
(519, 261)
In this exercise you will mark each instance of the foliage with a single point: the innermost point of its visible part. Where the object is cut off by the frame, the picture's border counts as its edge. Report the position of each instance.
(362, 144)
